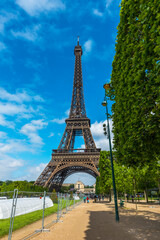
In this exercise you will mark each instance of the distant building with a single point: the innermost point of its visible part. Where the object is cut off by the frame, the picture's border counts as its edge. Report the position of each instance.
(67, 184)
(80, 187)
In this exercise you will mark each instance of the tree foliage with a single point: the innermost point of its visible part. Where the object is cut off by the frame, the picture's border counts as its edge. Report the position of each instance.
(128, 179)
(136, 83)
(21, 186)
(105, 179)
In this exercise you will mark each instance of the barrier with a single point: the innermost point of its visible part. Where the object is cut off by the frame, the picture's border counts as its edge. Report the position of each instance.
(20, 208)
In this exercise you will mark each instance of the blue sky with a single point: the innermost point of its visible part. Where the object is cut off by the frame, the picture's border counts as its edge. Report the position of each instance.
(37, 40)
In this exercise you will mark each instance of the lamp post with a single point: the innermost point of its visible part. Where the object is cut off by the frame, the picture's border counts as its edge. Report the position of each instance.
(104, 103)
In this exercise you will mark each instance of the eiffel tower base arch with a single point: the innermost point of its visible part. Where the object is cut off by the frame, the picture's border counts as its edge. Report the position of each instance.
(64, 164)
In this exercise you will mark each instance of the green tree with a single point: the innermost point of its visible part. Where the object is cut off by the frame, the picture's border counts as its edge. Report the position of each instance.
(71, 195)
(8, 182)
(54, 196)
(136, 83)
(65, 189)
(129, 180)
(157, 173)
(21, 186)
(71, 186)
(124, 179)
(148, 178)
(105, 180)
(97, 190)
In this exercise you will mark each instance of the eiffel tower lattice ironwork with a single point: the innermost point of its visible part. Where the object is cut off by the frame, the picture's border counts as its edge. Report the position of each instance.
(66, 160)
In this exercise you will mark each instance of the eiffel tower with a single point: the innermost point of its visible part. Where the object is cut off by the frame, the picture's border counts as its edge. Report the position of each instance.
(66, 160)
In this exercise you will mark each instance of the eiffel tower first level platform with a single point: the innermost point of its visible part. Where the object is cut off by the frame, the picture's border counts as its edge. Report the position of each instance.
(65, 159)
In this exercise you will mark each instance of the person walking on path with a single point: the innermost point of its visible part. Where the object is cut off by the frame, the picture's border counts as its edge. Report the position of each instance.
(84, 199)
(132, 199)
(87, 199)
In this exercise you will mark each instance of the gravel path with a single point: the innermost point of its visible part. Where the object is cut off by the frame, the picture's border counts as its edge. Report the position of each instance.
(97, 221)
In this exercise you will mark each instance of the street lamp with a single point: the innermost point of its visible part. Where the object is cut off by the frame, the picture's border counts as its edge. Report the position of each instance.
(104, 103)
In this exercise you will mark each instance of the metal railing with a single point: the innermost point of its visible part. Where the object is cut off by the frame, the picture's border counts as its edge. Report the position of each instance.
(78, 150)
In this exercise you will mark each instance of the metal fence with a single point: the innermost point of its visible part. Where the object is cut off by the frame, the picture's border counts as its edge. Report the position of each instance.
(21, 208)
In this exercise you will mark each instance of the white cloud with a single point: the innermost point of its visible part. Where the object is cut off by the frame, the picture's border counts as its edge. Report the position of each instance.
(100, 139)
(13, 109)
(97, 13)
(19, 96)
(31, 129)
(3, 135)
(88, 45)
(35, 7)
(14, 106)
(38, 98)
(61, 120)
(67, 112)
(4, 19)
(8, 163)
(5, 123)
(2, 46)
(108, 9)
(13, 146)
(30, 34)
(15, 163)
(51, 134)
(108, 3)
(8, 166)
(112, 11)
(35, 171)
(97, 129)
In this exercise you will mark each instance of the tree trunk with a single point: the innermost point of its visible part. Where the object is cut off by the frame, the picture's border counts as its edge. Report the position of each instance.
(159, 187)
(125, 195)
(112, 195)
(146, 194)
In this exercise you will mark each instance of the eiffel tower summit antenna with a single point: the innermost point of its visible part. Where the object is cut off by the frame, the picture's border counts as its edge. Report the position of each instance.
(67, 160)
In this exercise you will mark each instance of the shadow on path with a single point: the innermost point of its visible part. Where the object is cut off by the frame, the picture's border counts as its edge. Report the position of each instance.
(102, 225)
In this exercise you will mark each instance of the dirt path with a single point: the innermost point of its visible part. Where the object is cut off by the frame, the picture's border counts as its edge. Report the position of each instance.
(97, 221)
(88, 221)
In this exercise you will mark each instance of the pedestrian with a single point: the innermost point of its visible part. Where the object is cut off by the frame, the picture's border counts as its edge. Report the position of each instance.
(87, 199)
(84, 199)
(132, 199)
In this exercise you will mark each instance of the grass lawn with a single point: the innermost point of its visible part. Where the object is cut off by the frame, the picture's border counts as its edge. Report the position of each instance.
(23, 220)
